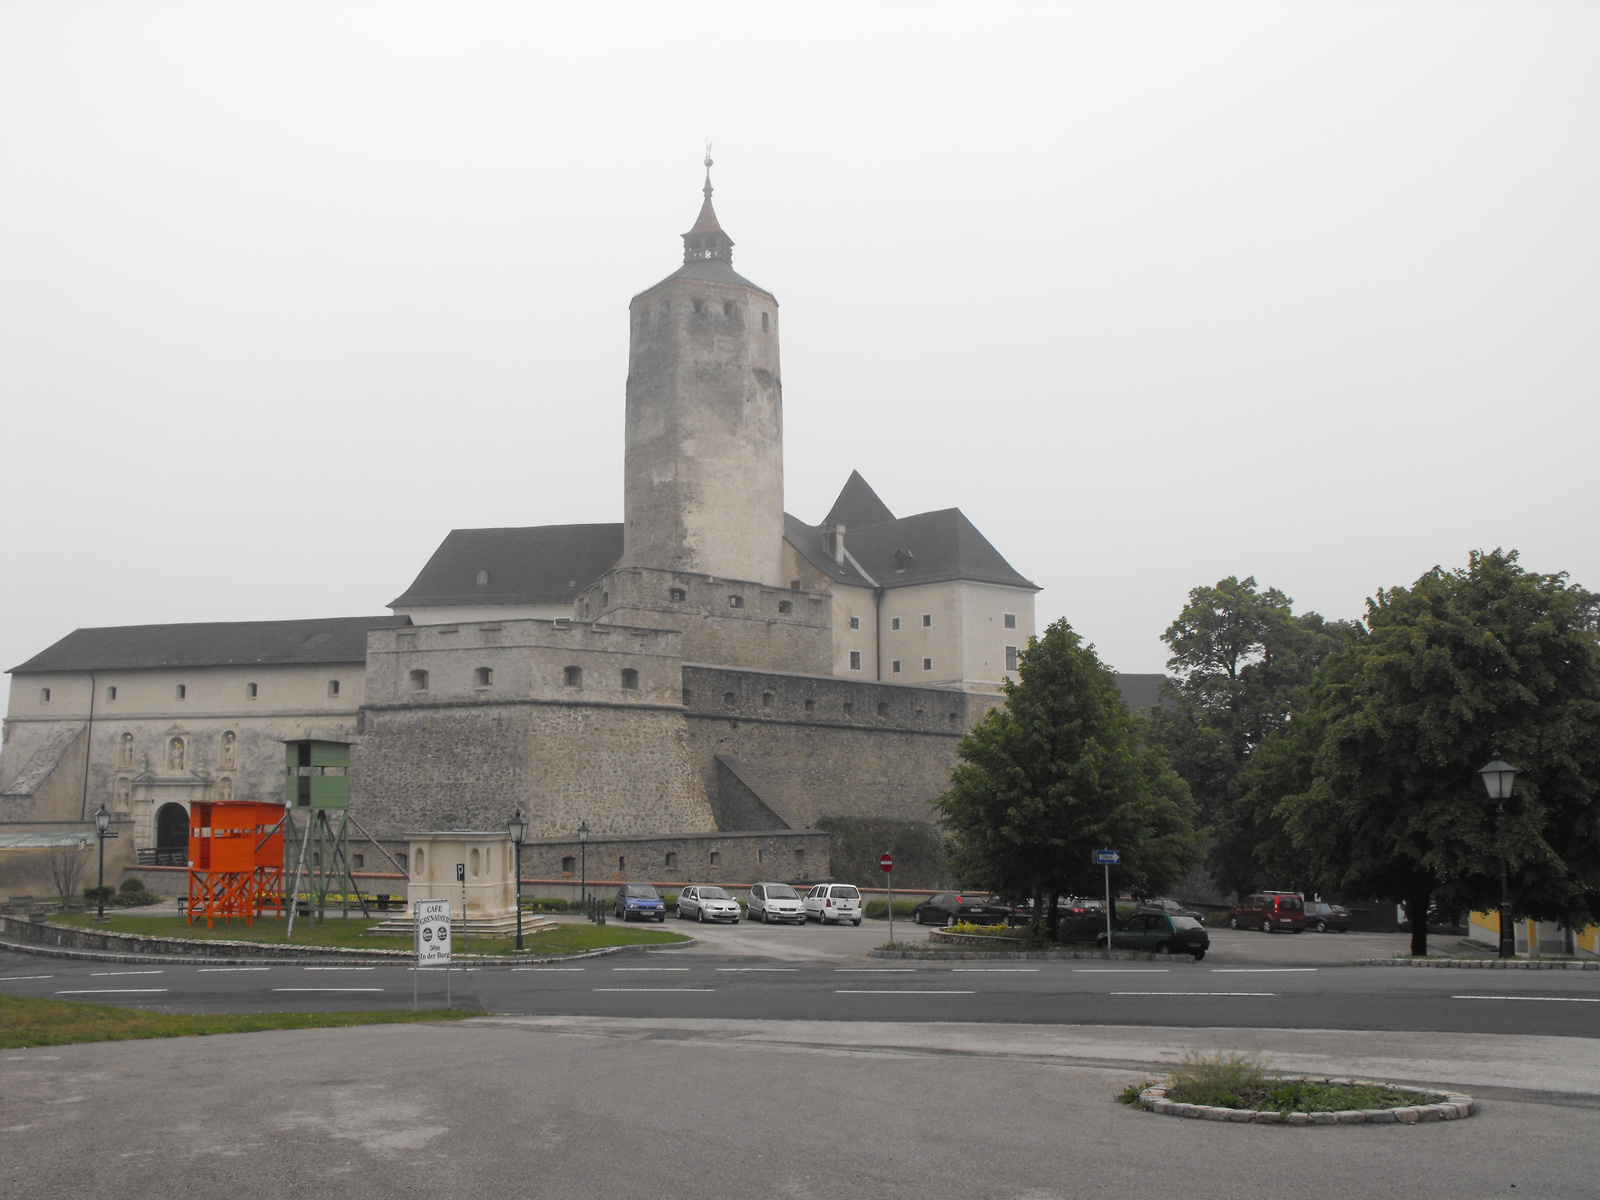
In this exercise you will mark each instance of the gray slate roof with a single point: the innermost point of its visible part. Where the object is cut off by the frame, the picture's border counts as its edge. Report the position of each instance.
(210, 644)
(1140, 692)
(856, 506)
(538, 564)
(712, 270)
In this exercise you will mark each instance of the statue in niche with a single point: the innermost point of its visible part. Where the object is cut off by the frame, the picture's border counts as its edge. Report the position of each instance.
(230, 742)
(144, 762)
(122, 794)
(175, 755)
(225, 788)
(125, 750)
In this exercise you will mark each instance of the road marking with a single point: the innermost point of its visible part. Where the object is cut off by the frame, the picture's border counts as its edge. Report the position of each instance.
(1555, 999)
(874, 970)
(642, 989)
(547, 968)
(1191, 993)
(729, 970)
(900, 992)
(327, 989)
(1120, 970)
(94, 974)
(106, 991)
(9, 978)
(1258, 970)
(463, 970)
(650, 968)
(994, 970)
(338, 968)
(203, 970)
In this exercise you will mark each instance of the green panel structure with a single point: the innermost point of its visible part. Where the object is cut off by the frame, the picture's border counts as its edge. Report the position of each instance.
(317, 791)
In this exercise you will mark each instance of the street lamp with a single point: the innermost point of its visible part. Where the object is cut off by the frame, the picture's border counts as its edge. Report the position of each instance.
(1497, 779)
(518, 828)
(102, 822)
(583, 857)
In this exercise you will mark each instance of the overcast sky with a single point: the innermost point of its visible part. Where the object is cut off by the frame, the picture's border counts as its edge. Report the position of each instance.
(1155, 293)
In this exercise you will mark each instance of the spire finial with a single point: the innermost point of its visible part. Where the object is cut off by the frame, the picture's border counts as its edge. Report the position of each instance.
(706, 239)
(707, 188)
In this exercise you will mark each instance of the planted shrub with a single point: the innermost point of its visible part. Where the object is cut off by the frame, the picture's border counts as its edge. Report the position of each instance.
(1229, 1079)
(878, 910)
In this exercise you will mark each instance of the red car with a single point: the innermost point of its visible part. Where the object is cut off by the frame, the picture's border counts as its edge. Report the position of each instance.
(1283, 912)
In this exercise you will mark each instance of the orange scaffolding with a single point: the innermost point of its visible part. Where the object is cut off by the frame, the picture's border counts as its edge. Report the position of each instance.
(235, 860)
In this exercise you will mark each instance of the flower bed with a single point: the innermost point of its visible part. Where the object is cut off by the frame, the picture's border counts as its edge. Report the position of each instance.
(1336, 1101)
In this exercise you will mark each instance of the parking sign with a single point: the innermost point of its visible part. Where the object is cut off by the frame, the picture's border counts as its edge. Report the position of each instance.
(433, 931)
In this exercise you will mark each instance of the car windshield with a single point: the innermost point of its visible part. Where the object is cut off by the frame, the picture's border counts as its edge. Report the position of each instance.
(642, 891)
(712, 894)
(781, 891)
(1185, 923)
(846, 893)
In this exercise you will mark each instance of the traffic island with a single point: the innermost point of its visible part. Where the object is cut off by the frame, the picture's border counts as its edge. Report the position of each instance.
(968, 951)
(1417, 1105)
(1486, 964)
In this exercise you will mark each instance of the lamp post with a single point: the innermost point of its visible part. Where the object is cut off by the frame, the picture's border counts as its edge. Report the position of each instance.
(1497, 779)
(518, 828)
(102, 822)
(583, 858)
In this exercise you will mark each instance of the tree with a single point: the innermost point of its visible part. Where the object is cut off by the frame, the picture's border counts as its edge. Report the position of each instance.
(1060, 771)
(66, 869)
(1242, 661)
(1463, 666)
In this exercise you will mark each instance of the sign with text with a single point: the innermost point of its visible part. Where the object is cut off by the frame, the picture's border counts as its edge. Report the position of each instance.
(1106, 858)
(433, 931)
(886, 862)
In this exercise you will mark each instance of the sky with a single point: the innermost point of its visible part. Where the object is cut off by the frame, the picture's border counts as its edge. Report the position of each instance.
(1156, 293)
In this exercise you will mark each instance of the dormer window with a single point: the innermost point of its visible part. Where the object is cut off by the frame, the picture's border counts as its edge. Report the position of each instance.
(483, 578)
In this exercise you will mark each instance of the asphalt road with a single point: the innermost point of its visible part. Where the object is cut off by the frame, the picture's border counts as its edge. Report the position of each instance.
(753, 973)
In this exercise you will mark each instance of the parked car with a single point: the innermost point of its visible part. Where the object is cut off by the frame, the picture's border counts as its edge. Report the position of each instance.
(1066, 906)
(1163, 904)
(1164, 933)
(638, 900)
(707, 904)
(1322, 916)
(771, 902)
(1269, 912)
(831, 903)
(947, 908)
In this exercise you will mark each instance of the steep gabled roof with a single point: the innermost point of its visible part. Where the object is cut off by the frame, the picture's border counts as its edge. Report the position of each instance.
(857, 505)
(808, 543)
(930, 547)
(210, 644)
(539, 564)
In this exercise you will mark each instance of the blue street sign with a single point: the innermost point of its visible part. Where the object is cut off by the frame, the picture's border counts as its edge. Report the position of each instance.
(1106, 858)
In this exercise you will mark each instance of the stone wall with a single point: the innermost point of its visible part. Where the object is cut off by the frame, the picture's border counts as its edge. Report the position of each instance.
(729, 859)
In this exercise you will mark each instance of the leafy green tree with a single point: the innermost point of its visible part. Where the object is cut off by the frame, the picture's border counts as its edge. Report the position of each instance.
(1461, 667)
(1060, 771)
(1242, 661)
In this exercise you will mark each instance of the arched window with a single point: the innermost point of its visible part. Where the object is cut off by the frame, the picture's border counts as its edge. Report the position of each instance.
(483, 579)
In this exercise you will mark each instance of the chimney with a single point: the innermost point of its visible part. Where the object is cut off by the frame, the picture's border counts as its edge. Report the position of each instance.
(833, 541)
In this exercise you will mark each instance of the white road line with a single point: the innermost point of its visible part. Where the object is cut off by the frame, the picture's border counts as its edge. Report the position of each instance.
(327, 989)
(94, 974)
(338, 968)
(547, 968)
(655, 989)
(736, 970)
(1120, 970)
(9, 978)
(1191, 993)
(874, 970)
(1554, 999)
(459, 970)
(650, 968)
(994, 970)
(900, 992)
(106, 991)
(203, 970)
(1259, 970)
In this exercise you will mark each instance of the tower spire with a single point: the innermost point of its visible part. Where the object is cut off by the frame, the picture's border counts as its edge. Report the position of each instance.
(706, 239)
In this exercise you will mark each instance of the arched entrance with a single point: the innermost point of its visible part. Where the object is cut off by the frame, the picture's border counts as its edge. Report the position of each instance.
(172, 835)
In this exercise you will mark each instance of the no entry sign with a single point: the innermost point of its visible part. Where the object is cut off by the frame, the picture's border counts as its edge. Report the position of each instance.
(886, 861)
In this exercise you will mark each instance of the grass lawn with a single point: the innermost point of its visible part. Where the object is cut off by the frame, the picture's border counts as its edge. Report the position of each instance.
(28, 1022)
(564, 938)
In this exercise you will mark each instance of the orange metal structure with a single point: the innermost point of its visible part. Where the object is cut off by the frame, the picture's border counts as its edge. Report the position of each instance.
(235, 860)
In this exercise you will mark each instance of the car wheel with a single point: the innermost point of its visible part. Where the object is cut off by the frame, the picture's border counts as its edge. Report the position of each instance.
(1266, 926)
(857, 921)
(700, 916)
(1233, 922)
(1199, 954)
(949, 919)
(1163, 947)
(1322, 927)
(662, 919)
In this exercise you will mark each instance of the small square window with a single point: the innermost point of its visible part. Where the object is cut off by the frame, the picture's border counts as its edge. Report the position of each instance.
(677, 594)
(333, 687)
(1011, 658)
(572, 676)
(735, 601)
(44, 695)
(849, 708)
(927, 664)
(727, 699)
(786, 606)
(766, 699)
(630, 679)
(183, 691)
(811, 706)
(794, 585)
(927, 620)
(672, 858)
(727, 308)
(622, 862)
(699, 306)
(1011, 620)
(419, 681)
(716, 858)
(483, 676)
(855, 660)
(855, 622)
(111, 693)
(766, 322)
(358, 861)
(761, 856)
(883, 708)
(894, 623)
(251, 691)
(569, 864)
(894, 667)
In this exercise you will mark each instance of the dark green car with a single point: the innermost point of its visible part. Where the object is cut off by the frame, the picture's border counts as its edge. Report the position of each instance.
(1160, 933)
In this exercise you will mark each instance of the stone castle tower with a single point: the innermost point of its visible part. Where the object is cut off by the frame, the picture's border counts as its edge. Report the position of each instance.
(703, 476)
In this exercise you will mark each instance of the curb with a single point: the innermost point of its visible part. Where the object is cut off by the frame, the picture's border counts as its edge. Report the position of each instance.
(327, 956)
(1482, 964)
(1046, 955)
(1452, 1106)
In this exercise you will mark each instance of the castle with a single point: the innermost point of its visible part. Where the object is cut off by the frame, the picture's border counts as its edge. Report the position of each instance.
(700, 685)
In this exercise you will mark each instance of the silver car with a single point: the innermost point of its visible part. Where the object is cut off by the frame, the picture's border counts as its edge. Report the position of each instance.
(707, 904)
(771, 902)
